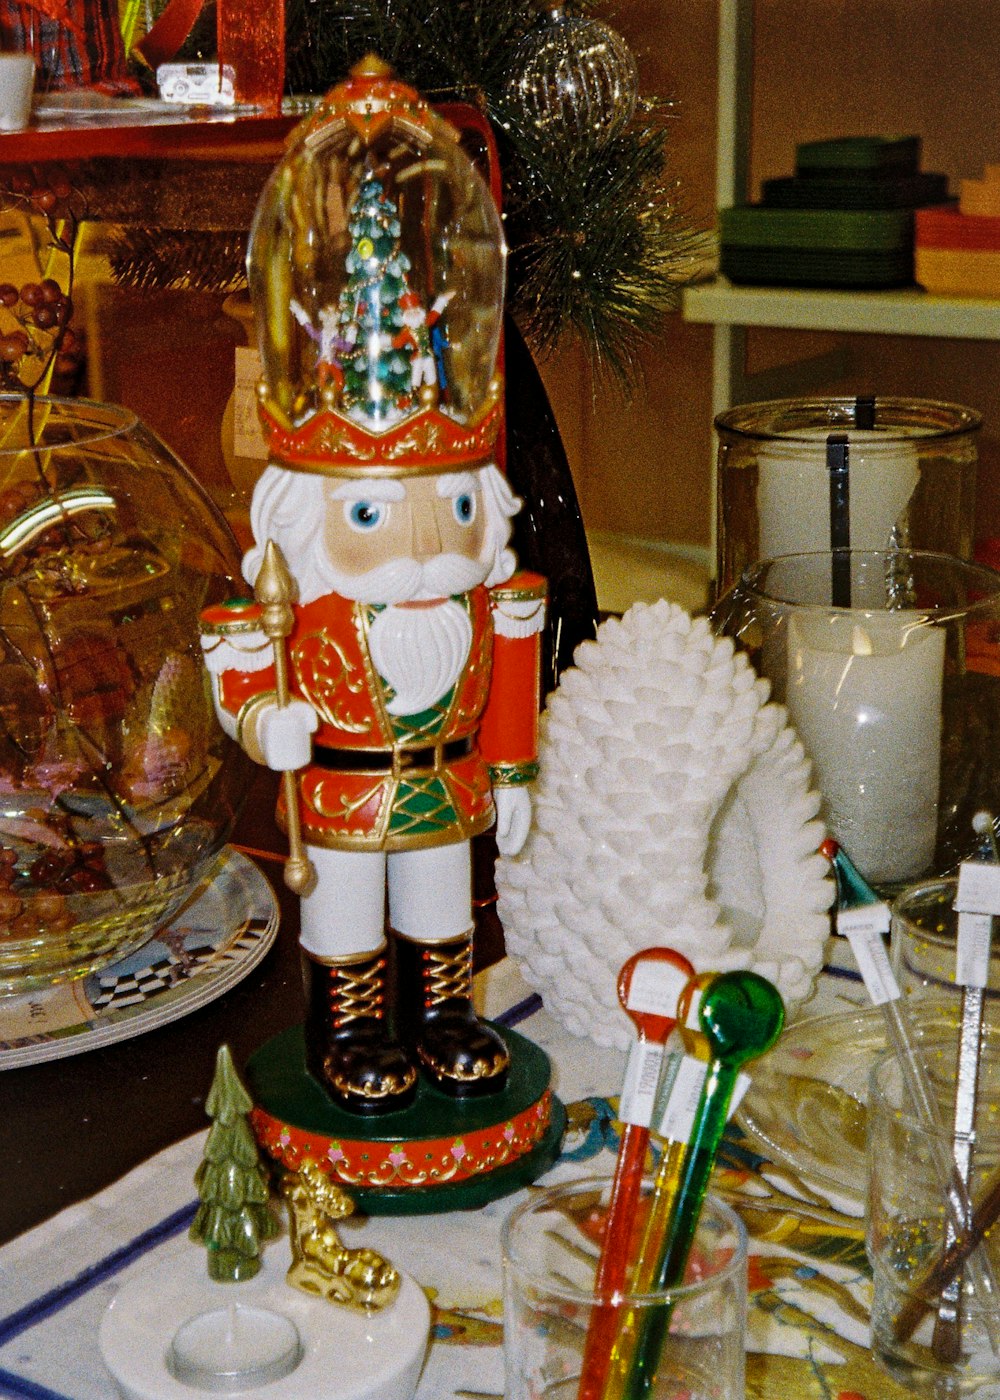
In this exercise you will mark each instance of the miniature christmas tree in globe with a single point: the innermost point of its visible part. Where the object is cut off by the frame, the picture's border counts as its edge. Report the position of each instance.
(378, 380)
(234, 1218)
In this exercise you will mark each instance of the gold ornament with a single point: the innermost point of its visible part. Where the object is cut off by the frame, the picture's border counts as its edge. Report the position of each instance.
(321, 1263)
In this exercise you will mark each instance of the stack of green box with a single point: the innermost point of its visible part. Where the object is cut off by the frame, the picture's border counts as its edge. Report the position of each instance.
(844, 219)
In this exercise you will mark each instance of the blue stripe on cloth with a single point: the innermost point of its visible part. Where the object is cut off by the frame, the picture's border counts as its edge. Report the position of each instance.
(520, 1011)
(20, 1389)
(66, 1293)
(847, 973)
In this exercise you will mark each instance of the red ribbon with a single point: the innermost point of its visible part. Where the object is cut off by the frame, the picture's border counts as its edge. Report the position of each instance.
(161, 43)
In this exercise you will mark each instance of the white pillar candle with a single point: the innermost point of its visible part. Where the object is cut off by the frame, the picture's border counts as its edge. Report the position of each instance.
(864, 692)
(793, 491)
(234, 1349)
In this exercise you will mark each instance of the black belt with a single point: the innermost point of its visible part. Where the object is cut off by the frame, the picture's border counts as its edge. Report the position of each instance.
(387, 760)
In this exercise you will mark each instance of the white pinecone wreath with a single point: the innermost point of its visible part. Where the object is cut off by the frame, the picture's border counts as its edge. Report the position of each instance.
(673, 807)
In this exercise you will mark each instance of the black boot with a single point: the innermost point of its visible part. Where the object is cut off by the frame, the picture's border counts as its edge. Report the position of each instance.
(349, 1048)
(457, 1051)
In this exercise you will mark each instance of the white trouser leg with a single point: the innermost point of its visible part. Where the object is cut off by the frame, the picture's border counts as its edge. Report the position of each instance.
(430, 892)
(345, 913)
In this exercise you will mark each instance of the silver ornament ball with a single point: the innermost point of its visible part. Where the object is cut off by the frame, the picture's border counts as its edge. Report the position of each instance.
(574, 78)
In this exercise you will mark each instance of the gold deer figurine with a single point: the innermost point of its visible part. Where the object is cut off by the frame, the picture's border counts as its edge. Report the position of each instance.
(321, 1263)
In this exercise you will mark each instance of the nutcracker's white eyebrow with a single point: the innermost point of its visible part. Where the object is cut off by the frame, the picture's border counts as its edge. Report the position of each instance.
(385, 488)
(455, 483)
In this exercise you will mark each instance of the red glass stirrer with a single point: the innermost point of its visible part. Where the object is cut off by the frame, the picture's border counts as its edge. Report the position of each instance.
(649, 987)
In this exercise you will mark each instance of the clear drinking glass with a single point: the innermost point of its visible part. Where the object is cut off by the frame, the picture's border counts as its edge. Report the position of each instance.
(551, 1245)
(908, 1222)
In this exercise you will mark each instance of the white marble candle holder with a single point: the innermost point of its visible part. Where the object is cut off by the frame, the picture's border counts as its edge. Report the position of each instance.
(172, 1333)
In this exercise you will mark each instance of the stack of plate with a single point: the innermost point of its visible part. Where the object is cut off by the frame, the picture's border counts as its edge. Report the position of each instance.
(958, 250)
(844, 219)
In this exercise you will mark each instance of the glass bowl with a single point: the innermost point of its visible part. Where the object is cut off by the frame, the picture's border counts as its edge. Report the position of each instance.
(118, 788)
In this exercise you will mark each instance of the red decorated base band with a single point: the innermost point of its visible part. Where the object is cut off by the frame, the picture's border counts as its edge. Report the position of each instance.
(417, 1162)
(439, 1153)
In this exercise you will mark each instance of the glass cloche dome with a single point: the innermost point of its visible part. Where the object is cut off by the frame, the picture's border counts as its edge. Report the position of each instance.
(376, 268)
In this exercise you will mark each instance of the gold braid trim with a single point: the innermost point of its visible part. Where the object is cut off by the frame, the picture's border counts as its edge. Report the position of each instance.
(356, 995)
(446, 975)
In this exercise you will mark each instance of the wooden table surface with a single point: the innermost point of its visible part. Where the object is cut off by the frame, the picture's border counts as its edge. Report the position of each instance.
(72, 1126)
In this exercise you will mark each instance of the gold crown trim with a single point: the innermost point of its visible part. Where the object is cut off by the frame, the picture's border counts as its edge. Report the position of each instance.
(427, 441)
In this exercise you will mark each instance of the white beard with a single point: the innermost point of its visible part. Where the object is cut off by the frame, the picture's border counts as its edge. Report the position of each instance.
(420, 652)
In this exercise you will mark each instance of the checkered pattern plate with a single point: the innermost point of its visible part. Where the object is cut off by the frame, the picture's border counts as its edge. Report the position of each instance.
(219, 935)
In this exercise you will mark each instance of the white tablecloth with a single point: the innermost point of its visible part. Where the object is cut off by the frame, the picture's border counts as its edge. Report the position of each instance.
(57, 1280)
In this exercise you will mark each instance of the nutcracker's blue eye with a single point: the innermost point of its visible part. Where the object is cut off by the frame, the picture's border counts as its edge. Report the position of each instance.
(365, 515)
(465, 508)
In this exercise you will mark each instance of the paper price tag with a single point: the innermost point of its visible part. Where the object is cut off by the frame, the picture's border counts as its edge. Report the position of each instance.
(972, 957)
(677, 1118)
(642, 1075)
(863, 928)
(248, 436)
(654, 988)
(868, 918)
(743, 1082)
(978, 888)
(693, 1021)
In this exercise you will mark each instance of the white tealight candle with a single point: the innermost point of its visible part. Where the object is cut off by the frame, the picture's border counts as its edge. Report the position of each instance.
(793, 494)
(172, 1333)
(227, 1350)
(864, 692)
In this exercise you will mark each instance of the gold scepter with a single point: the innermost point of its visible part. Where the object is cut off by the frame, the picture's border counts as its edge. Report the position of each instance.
(274, 591)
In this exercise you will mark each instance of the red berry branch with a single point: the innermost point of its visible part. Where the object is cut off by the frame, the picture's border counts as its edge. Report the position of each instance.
(35, 331)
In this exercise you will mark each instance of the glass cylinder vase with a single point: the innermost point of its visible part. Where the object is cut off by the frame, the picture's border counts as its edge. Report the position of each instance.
(251, 40)
(119, 787)
(895, 694)
(911, 478)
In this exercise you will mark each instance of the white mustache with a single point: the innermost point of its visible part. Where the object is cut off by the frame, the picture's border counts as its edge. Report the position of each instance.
(409, 580)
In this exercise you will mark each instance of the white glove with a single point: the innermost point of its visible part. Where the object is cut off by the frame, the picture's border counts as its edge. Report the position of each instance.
(285, 735)
(513, 806)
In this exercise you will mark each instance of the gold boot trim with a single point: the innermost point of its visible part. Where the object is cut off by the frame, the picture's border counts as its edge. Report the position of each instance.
(357, 995)
(446, 976)
(391, 1085)
(348, 960)
(479, 1069)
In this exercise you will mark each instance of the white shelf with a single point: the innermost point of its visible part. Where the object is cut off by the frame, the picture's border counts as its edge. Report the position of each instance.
(906, 312)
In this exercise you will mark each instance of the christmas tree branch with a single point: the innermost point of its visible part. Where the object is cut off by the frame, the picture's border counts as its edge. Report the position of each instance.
(600, 243)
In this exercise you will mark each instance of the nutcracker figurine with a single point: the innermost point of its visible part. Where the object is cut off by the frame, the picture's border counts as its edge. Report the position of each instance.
(389, 663)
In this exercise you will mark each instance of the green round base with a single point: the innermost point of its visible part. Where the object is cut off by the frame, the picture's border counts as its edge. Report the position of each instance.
(438, 1154)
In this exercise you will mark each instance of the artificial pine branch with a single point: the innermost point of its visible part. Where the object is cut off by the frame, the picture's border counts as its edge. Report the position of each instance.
(599, 242)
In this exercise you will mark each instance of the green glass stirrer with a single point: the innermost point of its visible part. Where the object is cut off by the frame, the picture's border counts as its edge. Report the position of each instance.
(741, 1015)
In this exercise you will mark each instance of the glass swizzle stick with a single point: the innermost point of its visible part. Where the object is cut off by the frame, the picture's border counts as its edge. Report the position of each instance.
(858, 918)
(649, 986)
(947, 1340)
(741, 1015)
(665, 1184)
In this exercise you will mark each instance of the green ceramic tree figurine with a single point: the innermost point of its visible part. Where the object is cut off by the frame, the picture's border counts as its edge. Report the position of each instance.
(234, 1218)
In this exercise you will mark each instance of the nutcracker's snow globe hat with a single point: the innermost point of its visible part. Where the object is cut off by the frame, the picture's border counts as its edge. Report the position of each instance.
(376, 269)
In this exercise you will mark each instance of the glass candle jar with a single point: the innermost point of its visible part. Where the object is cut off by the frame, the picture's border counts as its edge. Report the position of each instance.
(896, 696)
(911, 472)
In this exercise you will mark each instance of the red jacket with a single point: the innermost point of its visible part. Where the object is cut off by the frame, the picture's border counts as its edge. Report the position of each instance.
(379, 782)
